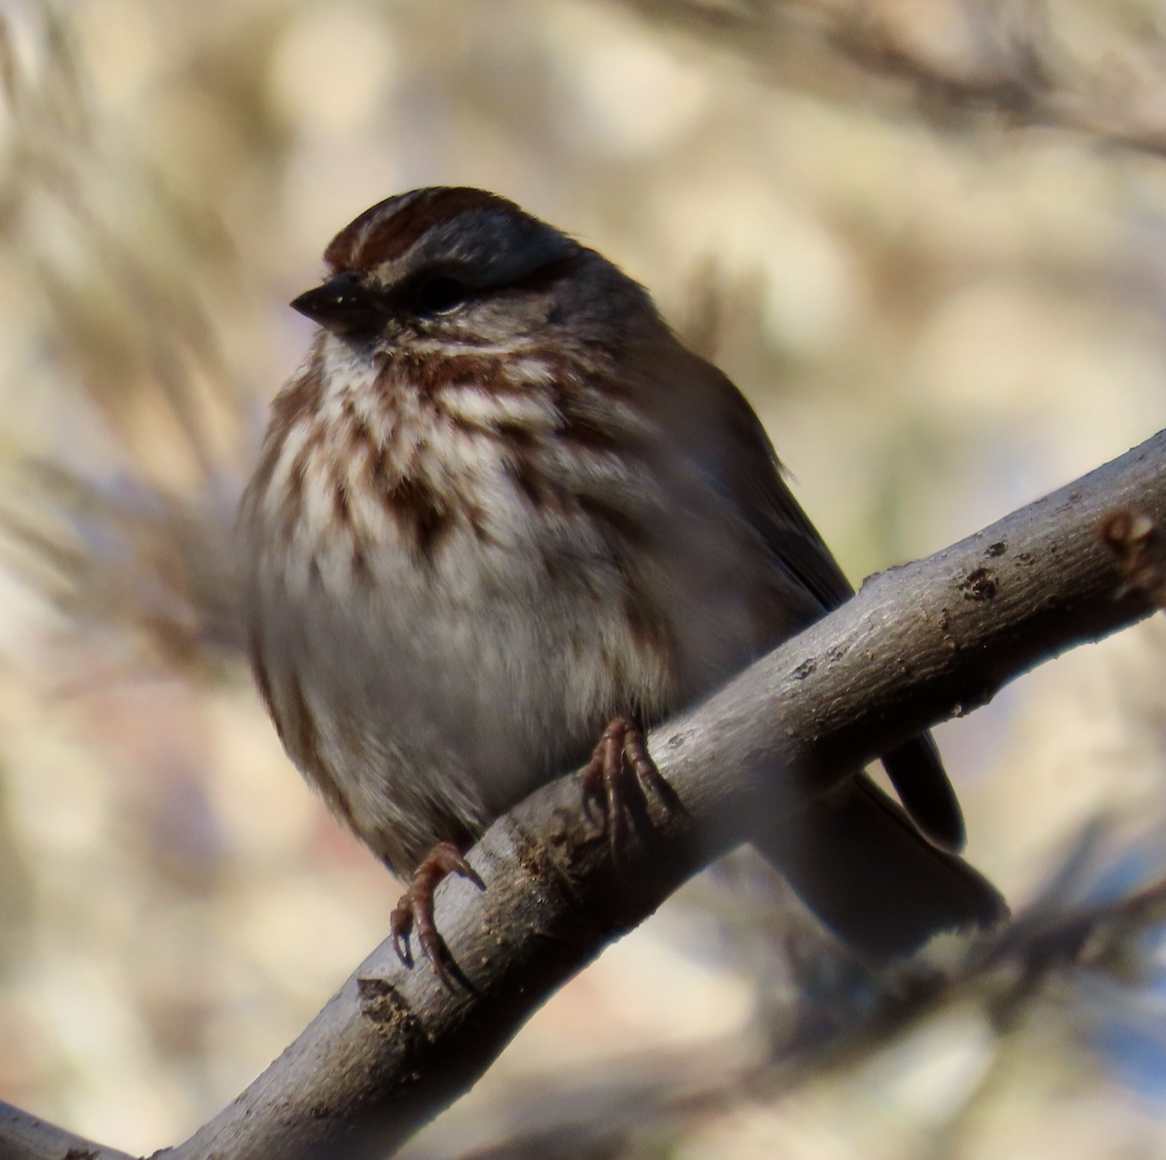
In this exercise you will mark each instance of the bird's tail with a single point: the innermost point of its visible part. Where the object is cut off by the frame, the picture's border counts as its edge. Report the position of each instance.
(916, 771)
(858, 862)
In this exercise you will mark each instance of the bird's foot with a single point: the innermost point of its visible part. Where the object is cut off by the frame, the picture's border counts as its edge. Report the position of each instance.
(416, 909)
(621, 763)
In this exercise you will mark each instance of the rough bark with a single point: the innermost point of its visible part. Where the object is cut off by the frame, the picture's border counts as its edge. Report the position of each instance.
(918, 644)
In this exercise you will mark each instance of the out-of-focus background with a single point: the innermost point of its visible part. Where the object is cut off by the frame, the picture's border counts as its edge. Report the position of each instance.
(928, 240)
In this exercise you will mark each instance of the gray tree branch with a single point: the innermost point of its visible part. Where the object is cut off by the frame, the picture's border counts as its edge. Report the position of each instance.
(917, 645)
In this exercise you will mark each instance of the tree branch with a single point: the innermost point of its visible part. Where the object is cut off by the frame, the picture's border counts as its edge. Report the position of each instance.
(26, 1137)
(918, 644)
(950, 60)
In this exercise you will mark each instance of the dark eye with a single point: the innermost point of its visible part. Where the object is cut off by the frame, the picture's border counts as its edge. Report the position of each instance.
(438, 296)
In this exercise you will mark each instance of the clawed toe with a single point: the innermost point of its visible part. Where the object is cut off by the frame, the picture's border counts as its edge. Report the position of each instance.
(619, 763)
(415, 909)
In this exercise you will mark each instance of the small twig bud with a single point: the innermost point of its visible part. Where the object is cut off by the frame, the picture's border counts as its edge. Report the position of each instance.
(1140, 550)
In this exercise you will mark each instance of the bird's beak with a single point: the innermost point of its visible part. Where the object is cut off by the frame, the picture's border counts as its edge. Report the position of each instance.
(344, 305)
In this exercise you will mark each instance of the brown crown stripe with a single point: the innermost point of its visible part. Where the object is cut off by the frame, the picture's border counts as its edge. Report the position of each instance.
(384, 233)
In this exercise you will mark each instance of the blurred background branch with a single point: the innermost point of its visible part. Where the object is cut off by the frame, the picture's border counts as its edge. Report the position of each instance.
(1094, 69)
(928, 239)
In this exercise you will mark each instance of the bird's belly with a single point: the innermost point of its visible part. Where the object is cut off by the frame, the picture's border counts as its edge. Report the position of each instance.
(444, 694)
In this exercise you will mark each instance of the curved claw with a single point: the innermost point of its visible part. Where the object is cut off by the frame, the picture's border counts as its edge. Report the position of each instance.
(416, 908)
(401, 923)
(620, 758)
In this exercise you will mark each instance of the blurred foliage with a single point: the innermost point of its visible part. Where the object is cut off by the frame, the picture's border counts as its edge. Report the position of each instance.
(926, 237)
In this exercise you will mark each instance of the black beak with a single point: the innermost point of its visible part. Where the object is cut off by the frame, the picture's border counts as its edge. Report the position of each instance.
(344, 306)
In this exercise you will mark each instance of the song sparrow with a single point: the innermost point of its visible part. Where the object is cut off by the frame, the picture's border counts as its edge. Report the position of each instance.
(502, 514)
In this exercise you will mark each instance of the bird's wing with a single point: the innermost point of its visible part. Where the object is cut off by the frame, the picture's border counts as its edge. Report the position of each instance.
(718, 420)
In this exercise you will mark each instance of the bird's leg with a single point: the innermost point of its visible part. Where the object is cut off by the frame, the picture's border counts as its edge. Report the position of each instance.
(416, 907)
(621, 761)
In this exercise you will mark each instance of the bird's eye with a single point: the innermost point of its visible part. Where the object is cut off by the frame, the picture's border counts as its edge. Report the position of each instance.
(438, 296)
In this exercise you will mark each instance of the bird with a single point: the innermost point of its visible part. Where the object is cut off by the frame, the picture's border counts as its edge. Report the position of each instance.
(503, 522)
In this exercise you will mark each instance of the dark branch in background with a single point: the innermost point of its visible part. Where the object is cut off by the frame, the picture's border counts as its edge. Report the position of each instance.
(918, 644)
(966, 58)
